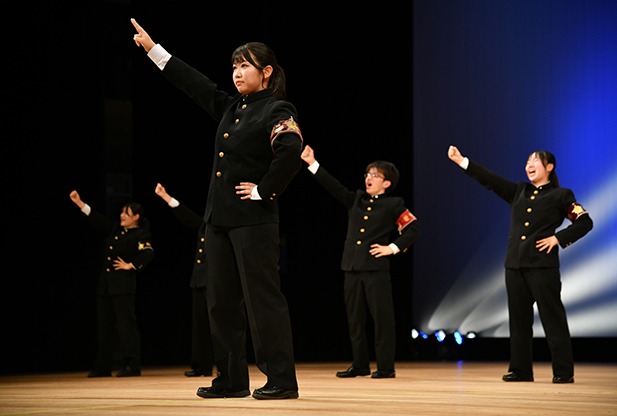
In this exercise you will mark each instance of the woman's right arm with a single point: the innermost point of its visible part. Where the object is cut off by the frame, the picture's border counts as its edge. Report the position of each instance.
(184, 214)
(77, 200)
(97, 220)
(504, 188)
(192, 82)
(142, 38)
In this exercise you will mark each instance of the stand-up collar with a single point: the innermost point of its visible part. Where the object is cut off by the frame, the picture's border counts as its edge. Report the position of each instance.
(257, 96)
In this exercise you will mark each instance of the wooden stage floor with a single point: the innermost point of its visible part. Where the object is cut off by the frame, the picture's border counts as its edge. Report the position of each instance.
(420, 388)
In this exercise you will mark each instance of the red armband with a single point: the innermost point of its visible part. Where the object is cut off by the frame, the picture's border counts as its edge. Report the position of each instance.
(575, 211)
(285, 126)
(404, 220)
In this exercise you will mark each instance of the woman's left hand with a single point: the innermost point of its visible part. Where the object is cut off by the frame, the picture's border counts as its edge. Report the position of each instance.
(122, 265)
(245, 189)
(547, 244)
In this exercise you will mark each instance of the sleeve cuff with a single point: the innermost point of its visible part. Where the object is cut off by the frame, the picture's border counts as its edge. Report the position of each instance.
(394, 248)
(255, 194)
(465, 163)
(314, 167)
(174, 203)
(159, 56)
(86, 209)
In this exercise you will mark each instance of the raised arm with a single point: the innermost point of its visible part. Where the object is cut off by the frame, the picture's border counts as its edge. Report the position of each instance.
(77, 200)
(503, 187)
(183, 213)
(95, 218)
(160, 191)
(142, 38)
(308, 155)
(455, 155)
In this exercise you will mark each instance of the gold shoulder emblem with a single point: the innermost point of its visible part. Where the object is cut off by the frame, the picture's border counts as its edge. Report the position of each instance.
(575, 211)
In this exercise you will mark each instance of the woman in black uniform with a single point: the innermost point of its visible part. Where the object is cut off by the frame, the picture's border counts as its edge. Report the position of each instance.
(257, 150)
(532, 263)
(128, 251)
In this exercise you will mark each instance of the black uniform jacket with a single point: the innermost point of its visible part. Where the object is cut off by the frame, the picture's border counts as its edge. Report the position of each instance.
(535, 214)
(371, 220)
(243, 151)
(195, 222)
(130, 244)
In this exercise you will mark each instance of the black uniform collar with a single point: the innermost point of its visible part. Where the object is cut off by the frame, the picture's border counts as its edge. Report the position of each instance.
(368, 196)
(256, 96)
(545, 186)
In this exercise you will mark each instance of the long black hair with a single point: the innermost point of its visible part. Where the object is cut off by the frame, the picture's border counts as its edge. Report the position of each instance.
(260, 56)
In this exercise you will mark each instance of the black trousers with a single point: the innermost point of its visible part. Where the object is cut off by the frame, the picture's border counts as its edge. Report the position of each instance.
(372, 291)
(542, 286)
(244, 284)
(112, 311)
(201, 341)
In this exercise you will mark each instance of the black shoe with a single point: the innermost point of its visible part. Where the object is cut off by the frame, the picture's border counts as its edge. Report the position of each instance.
(517, 377)
(563, 379)
(215, 393)
(353, 372)
(197, 372)
(128, 372)
(275, 393)
(384, 374)
(95, 373)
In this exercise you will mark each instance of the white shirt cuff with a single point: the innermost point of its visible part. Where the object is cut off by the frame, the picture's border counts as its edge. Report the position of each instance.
(255, 194)
(86, 209)
(314, 167)
(394, 248)
(159, 56)
(465, 163)
(174, 202)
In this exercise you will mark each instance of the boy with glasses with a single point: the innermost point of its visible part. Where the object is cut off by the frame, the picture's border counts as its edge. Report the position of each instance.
(373, 216)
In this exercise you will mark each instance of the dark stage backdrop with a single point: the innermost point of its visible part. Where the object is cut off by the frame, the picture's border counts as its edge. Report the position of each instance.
(89, 111)
(501, 79)
(95, 114)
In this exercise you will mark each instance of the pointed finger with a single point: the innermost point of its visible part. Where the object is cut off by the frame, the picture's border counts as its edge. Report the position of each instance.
(136, 25)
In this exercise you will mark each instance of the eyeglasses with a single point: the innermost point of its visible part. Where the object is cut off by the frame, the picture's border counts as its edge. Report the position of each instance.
(373, 175)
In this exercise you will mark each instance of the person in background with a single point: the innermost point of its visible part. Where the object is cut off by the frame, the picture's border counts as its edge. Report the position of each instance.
(201, 345)
(538, 208)
(373, 215)
(128, 251)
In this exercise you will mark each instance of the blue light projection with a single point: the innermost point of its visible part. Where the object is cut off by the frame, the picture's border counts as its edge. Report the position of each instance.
(501, 80)
(589, 281)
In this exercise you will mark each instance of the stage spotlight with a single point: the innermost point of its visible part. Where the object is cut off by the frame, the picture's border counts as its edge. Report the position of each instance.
(415, 334)
(458, 337)
(440, 335)
(471, 335)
